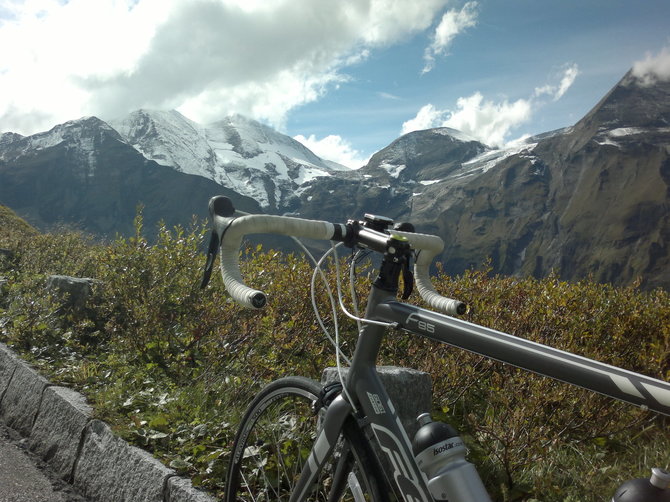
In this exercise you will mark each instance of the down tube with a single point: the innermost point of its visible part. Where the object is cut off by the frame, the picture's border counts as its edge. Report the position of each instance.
(391, 435)
(634, 388)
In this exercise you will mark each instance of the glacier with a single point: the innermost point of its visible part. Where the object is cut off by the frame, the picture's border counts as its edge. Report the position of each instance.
(236, 152)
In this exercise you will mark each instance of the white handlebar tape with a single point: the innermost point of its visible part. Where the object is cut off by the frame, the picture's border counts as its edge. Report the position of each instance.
(430, 246)
(261, 224)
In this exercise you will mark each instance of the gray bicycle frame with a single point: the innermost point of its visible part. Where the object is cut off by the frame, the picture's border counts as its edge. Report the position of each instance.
(366, 389)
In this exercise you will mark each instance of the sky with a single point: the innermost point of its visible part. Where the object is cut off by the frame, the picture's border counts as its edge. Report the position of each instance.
(345, 77)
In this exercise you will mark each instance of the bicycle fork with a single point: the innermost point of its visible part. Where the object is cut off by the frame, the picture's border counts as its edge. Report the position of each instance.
(387, 429)
(336, 415)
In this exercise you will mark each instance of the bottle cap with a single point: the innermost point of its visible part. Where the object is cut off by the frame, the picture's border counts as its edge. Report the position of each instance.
(424, 419)
(660, 478)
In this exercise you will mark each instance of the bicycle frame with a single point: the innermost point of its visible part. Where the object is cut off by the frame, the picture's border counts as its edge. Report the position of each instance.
(366, 389)
(364, 398)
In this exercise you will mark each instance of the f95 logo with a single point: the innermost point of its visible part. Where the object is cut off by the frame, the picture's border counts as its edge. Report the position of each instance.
(421, 325)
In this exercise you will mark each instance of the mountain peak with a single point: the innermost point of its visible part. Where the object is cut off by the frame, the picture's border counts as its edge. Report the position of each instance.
(237, 152)
(429, 154)
(83, 134)
(631, 104)
(455, 134)
(631, 111)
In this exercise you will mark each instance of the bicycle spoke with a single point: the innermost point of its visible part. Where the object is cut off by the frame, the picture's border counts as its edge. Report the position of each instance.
(279, 431)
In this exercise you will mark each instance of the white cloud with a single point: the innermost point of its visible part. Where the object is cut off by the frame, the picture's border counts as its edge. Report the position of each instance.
(207, 58)
(488, 121)
(334, 148)
(653, 67)
(557, 91)
(566, 82)
(427, 118)
(453, 22)
(388, 95)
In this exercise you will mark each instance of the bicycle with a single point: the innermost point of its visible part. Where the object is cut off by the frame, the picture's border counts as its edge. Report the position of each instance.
(299, 440)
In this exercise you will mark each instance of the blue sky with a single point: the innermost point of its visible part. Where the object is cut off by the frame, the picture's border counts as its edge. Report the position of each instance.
(515, 47)
(346, 77)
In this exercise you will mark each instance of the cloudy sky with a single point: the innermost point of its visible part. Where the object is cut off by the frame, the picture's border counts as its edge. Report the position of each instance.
(346, 77)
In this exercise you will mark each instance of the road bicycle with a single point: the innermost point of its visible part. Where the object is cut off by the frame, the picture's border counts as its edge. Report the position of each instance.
(299, 440)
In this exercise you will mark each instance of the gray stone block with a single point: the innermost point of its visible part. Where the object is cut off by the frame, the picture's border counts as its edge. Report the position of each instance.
(22, 398)
(8, 363)
(58, 428)
(74, 290)
(409, 389)
(181, 490)
(110, 470)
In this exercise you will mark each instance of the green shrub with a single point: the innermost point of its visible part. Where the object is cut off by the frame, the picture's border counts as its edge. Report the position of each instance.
(172, 367)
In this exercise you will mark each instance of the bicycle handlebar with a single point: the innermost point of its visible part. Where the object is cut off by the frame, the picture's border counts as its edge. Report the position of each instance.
(230, 226)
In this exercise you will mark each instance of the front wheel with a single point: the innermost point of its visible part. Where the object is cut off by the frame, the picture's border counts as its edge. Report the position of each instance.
(276, 437)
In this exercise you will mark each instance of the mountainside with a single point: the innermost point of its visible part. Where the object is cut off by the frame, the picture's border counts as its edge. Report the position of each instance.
(416, 178)
(13, 226)
(83, 173)
(591, 199)
(238, 153)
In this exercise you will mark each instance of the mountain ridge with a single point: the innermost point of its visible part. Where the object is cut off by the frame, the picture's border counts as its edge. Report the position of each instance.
(599, 206)
(591, 199)
(237, 152)
(82, 173)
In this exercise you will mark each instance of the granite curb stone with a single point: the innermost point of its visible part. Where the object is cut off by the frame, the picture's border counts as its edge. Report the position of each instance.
(108, 469)
(58, 428)
(7, 367)
(22, 398)
(57, 422)
(181, 490)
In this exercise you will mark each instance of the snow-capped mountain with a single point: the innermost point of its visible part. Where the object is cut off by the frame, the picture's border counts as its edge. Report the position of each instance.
(236, 152)
(83, 136)
(84, 173)
(590, 199)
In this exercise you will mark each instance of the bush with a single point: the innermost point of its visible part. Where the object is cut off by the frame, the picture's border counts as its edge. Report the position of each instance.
(172, 367)
(520, 423)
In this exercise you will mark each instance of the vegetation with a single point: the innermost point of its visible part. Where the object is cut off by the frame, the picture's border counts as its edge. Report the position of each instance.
(172, 367)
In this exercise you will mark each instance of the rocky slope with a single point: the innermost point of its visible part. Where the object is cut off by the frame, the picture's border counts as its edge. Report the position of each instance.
(84, 174)
(591, 199)
(236, 152)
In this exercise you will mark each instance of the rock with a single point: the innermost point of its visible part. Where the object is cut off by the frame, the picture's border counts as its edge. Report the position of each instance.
(21, 400)
(75, 291)
(110, 470)
(409, 389)
(181, 490)
(58, 428)
(7, 366)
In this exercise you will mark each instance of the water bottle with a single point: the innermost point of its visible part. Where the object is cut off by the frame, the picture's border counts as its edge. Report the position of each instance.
(654, 489)
(440, 454)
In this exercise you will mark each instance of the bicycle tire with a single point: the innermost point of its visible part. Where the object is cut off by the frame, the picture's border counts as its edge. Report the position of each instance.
(273, 442)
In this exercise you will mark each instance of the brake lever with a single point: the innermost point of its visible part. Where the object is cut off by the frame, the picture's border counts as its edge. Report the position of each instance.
(213, 249)
(407, 274)
(219, 205)
(407, 279)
